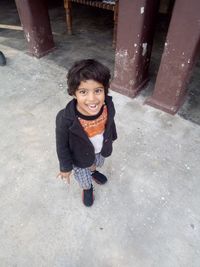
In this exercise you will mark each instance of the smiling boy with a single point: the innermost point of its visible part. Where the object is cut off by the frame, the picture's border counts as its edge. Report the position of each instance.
(85, 129)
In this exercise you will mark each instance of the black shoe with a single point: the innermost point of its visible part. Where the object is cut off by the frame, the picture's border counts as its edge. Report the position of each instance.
(2, 59)
(99, 177)
(88, 197)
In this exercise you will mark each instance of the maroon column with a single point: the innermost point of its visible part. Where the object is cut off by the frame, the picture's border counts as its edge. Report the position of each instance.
(181, 50)
(35, 21)
(135, 31)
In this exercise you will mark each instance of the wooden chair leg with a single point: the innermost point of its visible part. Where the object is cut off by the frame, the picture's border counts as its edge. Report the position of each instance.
(67, 4)
(115, 25)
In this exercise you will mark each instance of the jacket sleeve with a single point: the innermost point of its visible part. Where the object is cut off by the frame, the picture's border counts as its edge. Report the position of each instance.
(62, 147)
(114, 132)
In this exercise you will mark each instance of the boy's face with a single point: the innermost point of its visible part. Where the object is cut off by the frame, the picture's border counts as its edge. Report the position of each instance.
(90, 97)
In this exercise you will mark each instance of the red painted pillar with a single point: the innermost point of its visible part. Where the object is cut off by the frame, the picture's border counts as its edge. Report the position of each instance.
(135, 30)
(35, 21)
(181, 49)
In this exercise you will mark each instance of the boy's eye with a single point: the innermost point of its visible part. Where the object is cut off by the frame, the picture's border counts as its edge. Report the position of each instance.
(83, 92)
(99, 90)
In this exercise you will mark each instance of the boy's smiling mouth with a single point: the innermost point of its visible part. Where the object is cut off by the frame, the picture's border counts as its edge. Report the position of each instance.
(93, 106)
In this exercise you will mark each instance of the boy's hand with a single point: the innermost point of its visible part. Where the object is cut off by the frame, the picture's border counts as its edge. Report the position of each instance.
(64, 176)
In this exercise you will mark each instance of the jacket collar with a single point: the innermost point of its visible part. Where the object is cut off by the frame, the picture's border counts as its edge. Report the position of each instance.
(76, 127)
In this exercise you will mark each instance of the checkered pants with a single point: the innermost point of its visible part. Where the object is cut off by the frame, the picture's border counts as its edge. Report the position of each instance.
(83, 175)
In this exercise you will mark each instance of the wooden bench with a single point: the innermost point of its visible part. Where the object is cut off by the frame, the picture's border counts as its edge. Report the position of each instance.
(97, 4)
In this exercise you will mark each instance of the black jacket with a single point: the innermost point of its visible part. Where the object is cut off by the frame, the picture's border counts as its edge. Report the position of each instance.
(72, 143)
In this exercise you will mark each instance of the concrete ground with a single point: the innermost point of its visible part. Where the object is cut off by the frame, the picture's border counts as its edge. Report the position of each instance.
(148, 214)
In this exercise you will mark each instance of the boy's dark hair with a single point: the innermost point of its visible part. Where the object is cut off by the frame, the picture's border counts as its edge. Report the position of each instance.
(87, 69)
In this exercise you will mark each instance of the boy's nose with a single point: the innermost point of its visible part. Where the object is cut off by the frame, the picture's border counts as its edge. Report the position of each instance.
(91, 96)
